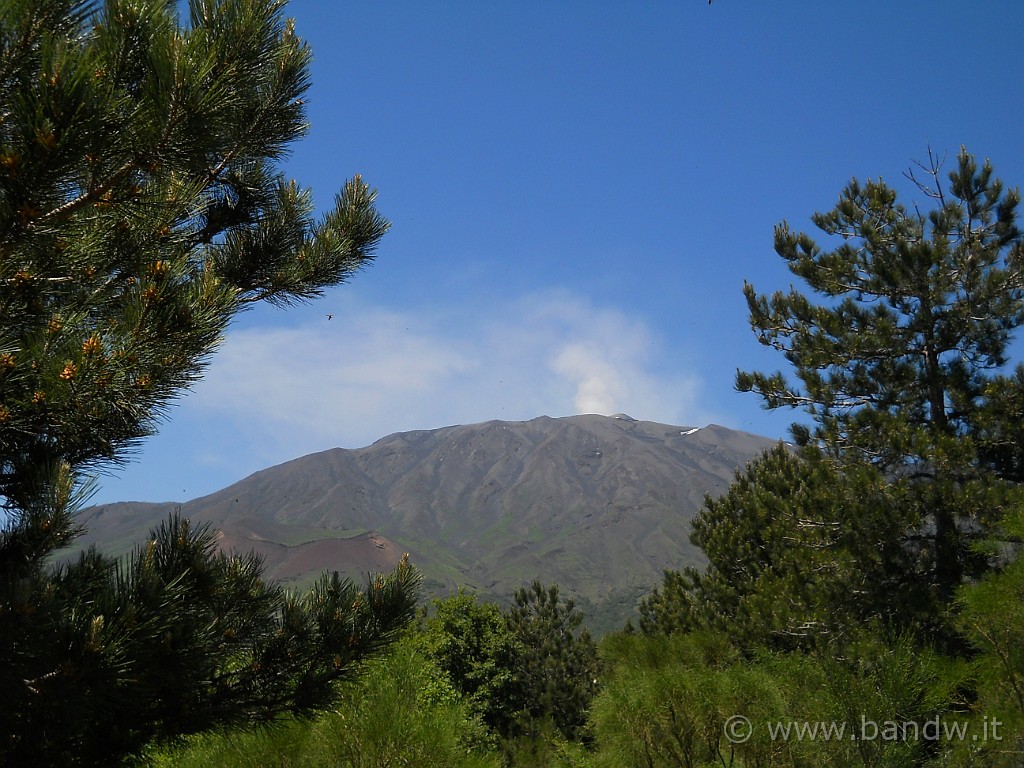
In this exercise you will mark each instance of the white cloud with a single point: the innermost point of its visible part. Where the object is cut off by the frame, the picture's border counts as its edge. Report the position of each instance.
(371, 371)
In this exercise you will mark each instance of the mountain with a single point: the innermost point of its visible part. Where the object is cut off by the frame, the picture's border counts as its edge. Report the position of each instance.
(600, 505)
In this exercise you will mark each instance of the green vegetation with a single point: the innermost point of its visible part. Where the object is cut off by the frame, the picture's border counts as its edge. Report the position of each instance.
(140, 210)
(862, 602)
(991, 616)
(472, 686)
(182, 638)
(529, 673)
(555, 674)
(670, 700)
(472, 643)
(402, 711)
(862, 605)
(800, 554)
(882, 555)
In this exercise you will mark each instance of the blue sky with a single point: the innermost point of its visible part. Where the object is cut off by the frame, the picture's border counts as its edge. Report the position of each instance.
(578, 191)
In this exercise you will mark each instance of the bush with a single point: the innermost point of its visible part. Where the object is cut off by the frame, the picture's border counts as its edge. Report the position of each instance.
(669, 701)
(401, 712)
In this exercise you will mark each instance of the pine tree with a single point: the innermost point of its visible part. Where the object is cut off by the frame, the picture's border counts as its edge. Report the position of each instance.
(801, 554)
(141, 208)
(527, 671)
(106, 657)
(557, 666)
(913, 452)
(900, 359)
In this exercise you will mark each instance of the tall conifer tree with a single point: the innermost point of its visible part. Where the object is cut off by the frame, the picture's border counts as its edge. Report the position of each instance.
(557, 666)
(902, 352)
(899, 349)
(141, 207)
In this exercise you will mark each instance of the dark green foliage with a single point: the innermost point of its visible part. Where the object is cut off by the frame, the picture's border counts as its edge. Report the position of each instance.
(917, 309)
(179, 639)
(556, 669)
(140, 209)
(898, 358)
(804, 552)
(473, 644)
(819, 557)
(992, 617)
(800, 554)
(528, 671)
(913, 454)
(999, 433)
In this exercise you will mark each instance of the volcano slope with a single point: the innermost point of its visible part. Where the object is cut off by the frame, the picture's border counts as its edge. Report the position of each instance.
(599, 505)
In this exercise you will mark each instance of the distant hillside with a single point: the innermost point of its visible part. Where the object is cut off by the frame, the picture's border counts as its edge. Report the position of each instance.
(600, 505)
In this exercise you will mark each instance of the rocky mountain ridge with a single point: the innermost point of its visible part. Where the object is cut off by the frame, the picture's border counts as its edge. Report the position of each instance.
(600, 505)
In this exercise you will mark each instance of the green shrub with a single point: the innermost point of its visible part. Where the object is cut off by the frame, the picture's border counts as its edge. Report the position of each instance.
(401, 712)
(669, 701)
